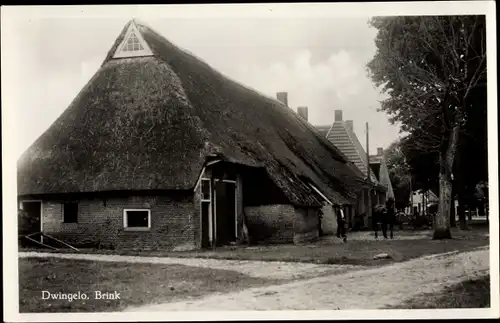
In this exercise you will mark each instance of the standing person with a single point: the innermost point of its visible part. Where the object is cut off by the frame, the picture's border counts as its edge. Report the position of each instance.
(391, 217)
(320, 224)
(341, 224)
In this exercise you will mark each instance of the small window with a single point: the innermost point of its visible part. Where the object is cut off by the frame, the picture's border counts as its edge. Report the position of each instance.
(70, 212)
(132, 44)
(137, 218)
(205, 190)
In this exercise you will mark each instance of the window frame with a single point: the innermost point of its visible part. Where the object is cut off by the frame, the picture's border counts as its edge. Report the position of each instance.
(202, 199)
(63, 215)
(132, 44)
(125, 220)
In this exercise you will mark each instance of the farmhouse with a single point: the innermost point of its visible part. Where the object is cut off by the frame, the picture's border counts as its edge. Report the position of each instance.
(160, 151)
(341, 134)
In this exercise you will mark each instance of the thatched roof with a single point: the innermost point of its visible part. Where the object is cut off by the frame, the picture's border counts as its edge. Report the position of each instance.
(149, 123)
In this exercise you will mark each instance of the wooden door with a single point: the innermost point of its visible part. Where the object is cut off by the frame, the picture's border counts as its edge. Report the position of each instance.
(225, 211)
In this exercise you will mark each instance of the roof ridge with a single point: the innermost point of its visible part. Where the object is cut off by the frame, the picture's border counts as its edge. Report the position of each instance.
(328, 132)
(357, 145)
(157, 101)
(313, 128)
(188, 52)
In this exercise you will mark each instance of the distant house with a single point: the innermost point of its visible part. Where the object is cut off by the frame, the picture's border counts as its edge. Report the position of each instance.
(161, 151)
(341, 134)
(378, 165)
(422, 201)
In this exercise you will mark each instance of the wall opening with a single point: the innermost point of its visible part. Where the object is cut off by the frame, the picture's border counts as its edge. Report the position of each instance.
(30, 219)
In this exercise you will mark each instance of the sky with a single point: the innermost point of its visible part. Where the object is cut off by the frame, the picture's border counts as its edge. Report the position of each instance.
(318, 60)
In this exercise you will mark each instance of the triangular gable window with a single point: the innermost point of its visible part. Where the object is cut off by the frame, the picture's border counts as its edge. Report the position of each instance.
(133, 45)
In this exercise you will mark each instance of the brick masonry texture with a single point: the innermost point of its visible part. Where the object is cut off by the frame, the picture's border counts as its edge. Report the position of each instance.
(281, 223)
(329, 222)
(175, 222)
(306, 225)
(100, 223)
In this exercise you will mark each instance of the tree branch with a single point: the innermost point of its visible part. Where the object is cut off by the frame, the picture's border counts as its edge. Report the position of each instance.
(476, 77)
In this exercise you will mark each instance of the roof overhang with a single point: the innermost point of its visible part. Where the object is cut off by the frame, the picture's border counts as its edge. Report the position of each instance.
(320, 194)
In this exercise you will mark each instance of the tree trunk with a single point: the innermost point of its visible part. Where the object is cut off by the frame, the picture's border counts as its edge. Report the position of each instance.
(453, 222)
(446, 159)
(442, 223)
(461, 202)
(460, 188)
(461, 212)
(481, 209)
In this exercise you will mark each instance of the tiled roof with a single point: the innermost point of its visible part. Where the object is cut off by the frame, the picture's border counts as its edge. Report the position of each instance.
(323, 130)
(347, 141)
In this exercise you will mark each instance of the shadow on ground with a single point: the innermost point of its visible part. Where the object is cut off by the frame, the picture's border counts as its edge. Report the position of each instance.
(472, 293)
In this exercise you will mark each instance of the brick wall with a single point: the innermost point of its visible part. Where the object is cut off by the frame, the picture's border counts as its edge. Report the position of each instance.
(306, 225)
(270, 223)
(329, 221)
(239, 208)
(101, 222)
(281, 223)
(197, 217)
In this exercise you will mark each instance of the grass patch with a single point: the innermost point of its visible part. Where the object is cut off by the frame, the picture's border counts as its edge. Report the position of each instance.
(138, 284)
(472, 293)
(354, 252)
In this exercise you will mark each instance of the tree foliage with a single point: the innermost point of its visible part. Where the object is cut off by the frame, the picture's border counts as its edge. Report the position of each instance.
(428, 65)
(433, 69)
(399, 174)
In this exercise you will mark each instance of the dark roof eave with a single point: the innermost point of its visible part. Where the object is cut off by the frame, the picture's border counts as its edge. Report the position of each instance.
(109, 193)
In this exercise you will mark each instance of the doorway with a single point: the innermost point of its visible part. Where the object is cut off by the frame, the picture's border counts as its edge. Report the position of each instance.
(225, 212)
(205, 224)
(30, 220)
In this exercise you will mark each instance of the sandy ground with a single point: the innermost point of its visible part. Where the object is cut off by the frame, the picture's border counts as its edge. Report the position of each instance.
(370, 235)
(360, 289)
(262, 269)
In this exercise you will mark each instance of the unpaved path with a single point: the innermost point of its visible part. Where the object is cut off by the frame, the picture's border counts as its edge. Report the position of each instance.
(262, 269)
(364, 289)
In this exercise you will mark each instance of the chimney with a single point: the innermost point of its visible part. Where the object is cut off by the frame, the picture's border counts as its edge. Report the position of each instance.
(380, 151)
(338, 115)
(302, 111)
(349, 125)
(283, 97)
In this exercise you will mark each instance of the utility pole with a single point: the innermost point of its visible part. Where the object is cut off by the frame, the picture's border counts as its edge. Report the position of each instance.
(368, 178)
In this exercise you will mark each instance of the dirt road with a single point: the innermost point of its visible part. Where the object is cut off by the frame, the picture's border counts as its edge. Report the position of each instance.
(360, 289)
(262, 269)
